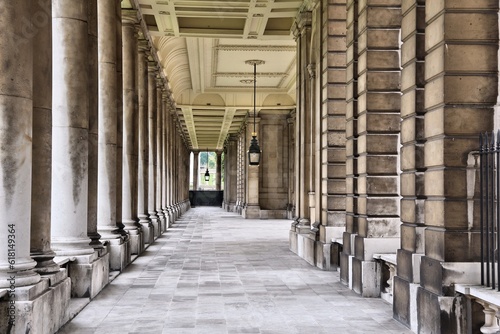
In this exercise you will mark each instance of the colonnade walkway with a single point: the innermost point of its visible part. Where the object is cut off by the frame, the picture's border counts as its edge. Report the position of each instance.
(215, 272)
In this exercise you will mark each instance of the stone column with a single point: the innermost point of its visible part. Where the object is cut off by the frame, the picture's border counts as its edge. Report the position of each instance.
(152, 147)
(303, 130)
(252, 207)
(106, 191)
(143, 141)
(16, 113)
(159, 154)
(170, 166)
(378, 140)
(218, 172)
(412, 161)
(291, 166)
(129, 167)
(119, 127)
(333, 157)
(70, 129)
(93, 92)
(196, 169)
(231, 171)
(41, 250)
(312, 140)
(351, 149)
(461, 89)
(164, 160)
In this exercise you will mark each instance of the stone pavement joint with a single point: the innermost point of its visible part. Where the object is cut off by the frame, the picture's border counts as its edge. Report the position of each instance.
(214, 272)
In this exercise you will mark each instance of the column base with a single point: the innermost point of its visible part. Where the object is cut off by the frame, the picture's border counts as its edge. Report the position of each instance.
(162, 222)
(251, 211)
(119, 253)
(89, 273)
(166, 214)
(24, 272)
(136, 241)
(365, 277)
(147, 229)
(405, 303)
(42, 307)
(155, 221)
(439, 314)
(45, 263)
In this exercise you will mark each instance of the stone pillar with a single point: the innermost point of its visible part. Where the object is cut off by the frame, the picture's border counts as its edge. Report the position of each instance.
(351, 149)
(159, 155)
(242, 171)
(231, 178)
(119, 129)
(312, 139)
(412, 162)
(151, 152)
(218, 171)
(303, 128)
(41, 250)
(93, 93)
(291, 166)
(461, 89)
(333, 146)
(129, 166)
(107, 120)
(196, 169)
(16, 112)
(70, 129)
(378, 141)
(70, 148)
(252, 206)
(143, 141)
(170, 165)
(165, 167)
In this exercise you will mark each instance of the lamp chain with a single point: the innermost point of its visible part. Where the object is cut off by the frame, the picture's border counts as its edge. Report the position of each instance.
(254, 92)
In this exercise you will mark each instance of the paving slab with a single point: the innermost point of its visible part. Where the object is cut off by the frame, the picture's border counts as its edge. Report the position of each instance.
(215, 272)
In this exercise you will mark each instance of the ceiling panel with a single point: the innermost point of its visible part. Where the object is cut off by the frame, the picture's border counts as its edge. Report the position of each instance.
(202, 47)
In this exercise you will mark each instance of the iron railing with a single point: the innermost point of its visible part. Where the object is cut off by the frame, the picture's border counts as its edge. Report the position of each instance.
(489, 179)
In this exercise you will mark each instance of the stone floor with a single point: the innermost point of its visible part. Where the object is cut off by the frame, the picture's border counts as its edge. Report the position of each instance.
(214, 272)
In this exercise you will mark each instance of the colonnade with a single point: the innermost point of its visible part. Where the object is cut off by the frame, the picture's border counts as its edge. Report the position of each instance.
(94, 164)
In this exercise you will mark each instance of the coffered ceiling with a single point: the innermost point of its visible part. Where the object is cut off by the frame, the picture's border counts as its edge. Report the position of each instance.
(203, 46)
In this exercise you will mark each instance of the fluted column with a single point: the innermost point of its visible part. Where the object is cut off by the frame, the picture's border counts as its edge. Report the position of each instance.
(218, 172)
(70, 128)
(152, 131)
(129, 166)
(41, 249)
(15, 145)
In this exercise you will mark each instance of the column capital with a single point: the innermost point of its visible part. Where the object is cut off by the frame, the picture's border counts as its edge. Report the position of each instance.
(152, 66)
(159, 80)
(129, 17)
(233, 137)
(143, 45)
(302, 22)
